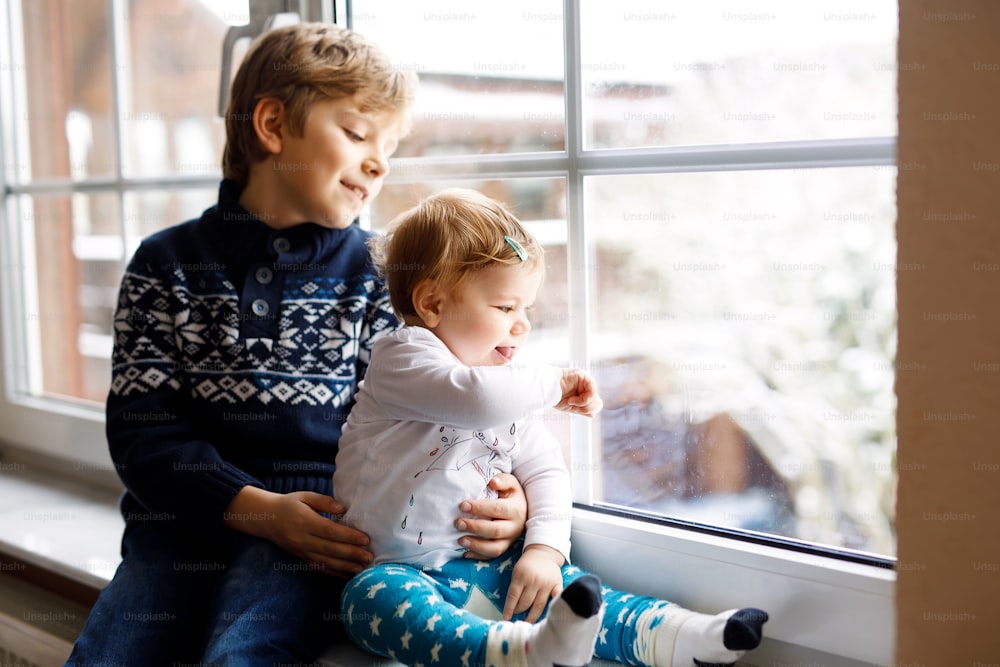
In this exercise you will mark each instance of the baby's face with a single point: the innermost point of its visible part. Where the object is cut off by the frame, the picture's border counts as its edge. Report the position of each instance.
(484, 319)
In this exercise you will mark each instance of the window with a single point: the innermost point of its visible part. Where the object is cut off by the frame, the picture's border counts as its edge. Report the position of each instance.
(718, 216)
(110, 133)
(715, 188)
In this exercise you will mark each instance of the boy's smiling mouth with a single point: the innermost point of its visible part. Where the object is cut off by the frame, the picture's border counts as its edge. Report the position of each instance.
(360, 192)
(506, 352)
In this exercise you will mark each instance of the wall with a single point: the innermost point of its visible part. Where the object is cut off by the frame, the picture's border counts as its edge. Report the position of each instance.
(948, 365)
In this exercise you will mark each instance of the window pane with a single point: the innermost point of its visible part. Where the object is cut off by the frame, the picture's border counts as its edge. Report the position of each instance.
(79, 256)
(77, 266)
(725, 71)
(743, 334)
(149, 211)
(491, 74)
(67, 120)
(170, 121)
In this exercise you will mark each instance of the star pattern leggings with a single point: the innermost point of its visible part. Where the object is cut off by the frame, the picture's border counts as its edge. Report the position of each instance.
(443, 615)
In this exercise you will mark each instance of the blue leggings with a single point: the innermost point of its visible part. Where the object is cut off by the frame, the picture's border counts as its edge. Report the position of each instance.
(444, 615)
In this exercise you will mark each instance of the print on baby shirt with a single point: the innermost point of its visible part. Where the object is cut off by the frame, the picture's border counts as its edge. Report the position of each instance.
(474, 458)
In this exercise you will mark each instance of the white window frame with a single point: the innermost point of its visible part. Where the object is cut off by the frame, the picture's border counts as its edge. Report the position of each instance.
(51, 428)
(816, 602)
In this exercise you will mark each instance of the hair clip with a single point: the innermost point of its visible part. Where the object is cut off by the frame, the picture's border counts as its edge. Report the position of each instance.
(517, 248)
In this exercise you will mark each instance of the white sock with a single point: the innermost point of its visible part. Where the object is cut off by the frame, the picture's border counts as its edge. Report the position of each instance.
(680, 637)
(563, 637)
(507, 643)
(701, 637)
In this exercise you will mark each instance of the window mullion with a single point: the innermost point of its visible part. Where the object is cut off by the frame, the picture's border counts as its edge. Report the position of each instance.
(581, 441)
(497, 166)
(576, 160)
(729, 157)
(121, 96)
(61, 186)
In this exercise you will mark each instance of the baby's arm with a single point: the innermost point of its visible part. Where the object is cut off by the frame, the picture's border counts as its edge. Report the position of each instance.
(537, 578)
(542, 471)
(422, 381)
(579, 393)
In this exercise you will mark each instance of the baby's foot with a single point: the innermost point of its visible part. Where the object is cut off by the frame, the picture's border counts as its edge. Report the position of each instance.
(569, 631)
(720, 640)
(566, 636)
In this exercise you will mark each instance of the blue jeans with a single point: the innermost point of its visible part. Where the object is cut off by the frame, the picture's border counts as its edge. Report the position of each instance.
(244, 602)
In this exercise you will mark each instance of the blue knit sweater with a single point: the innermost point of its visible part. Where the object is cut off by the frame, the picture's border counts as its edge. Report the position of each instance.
(237, 352)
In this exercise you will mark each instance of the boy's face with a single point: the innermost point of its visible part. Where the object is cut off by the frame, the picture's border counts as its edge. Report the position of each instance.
(336, 167)
(483, 319)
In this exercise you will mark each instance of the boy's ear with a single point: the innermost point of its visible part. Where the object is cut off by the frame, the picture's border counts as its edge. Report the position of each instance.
(428, 301)
(269, 123)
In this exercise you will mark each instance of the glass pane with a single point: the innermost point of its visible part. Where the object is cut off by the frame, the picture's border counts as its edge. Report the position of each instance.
(743, 334)
(724, 71)
(77, 266)
(78, 262)
(491, 74)
(170, 122)
(149, 211)
(66, 121)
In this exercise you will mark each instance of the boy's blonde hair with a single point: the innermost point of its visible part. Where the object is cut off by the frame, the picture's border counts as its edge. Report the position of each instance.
(300, 65)
(446, 237)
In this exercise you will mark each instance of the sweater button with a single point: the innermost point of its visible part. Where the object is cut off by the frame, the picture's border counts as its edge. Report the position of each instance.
(264, 275)
(281, 244)
(260, 307)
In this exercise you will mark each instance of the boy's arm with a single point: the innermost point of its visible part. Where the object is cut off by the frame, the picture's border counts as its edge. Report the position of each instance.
(496, 523)
(294, 522)
(176, 477)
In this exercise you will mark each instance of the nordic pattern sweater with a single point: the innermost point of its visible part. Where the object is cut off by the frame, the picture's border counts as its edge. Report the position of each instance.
(237, 352)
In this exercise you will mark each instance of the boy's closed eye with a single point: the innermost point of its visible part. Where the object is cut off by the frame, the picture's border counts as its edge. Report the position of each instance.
(352, 135)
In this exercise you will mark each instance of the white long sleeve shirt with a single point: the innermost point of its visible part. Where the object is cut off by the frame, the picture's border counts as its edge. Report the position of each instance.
(428, 432)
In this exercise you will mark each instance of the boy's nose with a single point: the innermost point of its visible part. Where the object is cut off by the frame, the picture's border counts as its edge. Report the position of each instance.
(376, 165)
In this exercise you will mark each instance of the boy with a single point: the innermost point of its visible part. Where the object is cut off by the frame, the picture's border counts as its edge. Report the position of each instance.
(240, 339)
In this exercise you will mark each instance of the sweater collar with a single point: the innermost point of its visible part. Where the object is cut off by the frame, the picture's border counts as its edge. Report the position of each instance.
(248, 234)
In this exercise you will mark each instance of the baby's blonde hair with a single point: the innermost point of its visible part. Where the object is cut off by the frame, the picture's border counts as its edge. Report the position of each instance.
(446, 237)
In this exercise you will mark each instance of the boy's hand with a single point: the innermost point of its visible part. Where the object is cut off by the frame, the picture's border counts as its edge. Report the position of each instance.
(537, 579)
(293, 522)
(579, 393)
(503, 522)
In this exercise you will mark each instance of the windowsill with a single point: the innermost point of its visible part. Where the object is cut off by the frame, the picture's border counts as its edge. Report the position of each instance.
(73, 530)
(60, 525)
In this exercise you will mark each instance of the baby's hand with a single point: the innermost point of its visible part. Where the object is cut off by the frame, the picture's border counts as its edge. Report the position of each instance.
(537, 578)
(579, 393)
